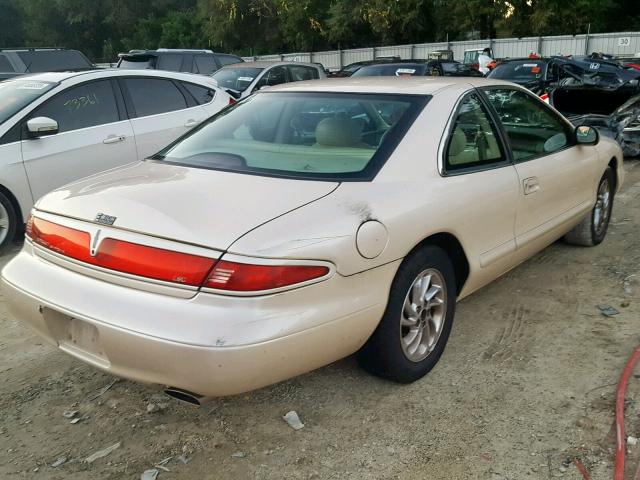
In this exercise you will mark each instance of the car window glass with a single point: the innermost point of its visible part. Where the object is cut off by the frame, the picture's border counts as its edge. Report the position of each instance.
(228, 59)
(204, 64)
(449, 67)
(201, 94)
(238, 79)
(527, 70)
(473, 141)
(53, 60)
(82, 106)
(16, 94)
(300, 73)
(137, 62)
(151, 96)
(276, 76)
(304, 135)
(533, 129)
(5, 66)
(172, 63)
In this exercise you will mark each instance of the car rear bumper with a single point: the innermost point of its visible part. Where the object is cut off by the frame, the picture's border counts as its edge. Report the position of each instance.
(92, 320)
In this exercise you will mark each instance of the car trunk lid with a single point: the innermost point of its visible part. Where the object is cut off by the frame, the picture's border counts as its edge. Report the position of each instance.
(201, 207)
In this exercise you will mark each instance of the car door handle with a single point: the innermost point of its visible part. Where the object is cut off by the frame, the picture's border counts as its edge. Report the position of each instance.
(192, 123)
(114, 139)
(531, 185)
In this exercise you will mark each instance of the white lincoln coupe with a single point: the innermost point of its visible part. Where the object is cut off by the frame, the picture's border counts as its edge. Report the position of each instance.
(306, 223)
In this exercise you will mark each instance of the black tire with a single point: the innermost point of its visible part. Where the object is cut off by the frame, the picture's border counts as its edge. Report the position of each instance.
(12, 223)
(383, 354)
(590, 232)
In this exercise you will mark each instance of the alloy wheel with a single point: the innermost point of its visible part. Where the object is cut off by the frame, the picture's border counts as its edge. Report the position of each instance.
(423, 315)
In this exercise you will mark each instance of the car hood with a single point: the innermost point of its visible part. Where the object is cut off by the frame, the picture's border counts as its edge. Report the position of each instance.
(203, 207)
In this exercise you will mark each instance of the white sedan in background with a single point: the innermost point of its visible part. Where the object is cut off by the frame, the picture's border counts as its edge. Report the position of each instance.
(308, 222)
(58, 127)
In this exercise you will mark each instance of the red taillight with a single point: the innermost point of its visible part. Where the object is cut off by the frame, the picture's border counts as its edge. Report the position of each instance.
(168, 265)
(243, 277)
(126, 257)
(63, 240)
(152, 262)
(232, 101)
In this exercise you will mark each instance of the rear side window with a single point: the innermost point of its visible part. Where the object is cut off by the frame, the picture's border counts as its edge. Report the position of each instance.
(82, 106)
(473, 141)
(5, 66)
(151, 96)
(204, 64)
(53, 60)
(228, 59)
(201, 94)
(173, 63)
(300, 73)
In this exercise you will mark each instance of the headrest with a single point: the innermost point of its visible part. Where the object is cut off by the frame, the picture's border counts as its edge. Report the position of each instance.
(458, 142)
(338, 132)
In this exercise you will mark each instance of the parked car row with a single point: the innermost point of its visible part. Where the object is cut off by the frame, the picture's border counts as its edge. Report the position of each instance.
(287, 221)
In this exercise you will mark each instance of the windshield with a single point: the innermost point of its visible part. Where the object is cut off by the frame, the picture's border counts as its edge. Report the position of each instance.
(519, 71)
(136, 63)
(390, 70)
(17, 94)
(237, 79)
(325, 136)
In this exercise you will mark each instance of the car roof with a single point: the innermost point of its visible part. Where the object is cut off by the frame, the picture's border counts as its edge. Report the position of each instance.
(387, 85)
(132, 53)
(266, 64)
(526, 59)
(58, 77)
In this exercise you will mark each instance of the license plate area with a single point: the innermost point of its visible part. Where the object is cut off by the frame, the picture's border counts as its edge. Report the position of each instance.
(76, 337)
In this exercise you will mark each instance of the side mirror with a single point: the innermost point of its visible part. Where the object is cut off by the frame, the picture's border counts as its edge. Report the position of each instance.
(41, 126)
(586, 135)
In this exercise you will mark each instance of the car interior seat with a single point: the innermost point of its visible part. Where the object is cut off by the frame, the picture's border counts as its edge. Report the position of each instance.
(340, 131)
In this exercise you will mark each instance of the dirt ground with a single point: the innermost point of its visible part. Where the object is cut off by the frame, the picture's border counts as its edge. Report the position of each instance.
(526, 384)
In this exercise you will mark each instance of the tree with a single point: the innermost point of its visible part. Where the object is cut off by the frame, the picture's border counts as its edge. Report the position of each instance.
(11, 28)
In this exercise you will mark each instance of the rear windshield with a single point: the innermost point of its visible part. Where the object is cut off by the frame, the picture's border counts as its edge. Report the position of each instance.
(390, 70)
(519, 71)
(5, 66)
(137, 62)
(237, 79)
(17, 94)
(53, 60)
(471, 57)
(323, 136)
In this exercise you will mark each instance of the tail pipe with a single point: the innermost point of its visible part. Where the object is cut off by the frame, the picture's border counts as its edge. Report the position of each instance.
(186, 396)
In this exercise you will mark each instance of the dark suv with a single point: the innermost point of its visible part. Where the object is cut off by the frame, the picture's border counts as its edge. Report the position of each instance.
(204, 62)
(19, 61)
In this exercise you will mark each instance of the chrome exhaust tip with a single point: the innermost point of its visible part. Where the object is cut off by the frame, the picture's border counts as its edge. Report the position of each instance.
(186, 396)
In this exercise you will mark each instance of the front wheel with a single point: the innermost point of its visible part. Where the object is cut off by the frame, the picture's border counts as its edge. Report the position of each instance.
(593, 228)
(416, 324)
(8, 222)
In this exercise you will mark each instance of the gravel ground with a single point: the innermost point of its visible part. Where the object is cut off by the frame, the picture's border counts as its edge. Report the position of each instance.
(526, 385)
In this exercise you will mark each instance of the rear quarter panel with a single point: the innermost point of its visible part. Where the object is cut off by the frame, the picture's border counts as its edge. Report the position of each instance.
(411, 199)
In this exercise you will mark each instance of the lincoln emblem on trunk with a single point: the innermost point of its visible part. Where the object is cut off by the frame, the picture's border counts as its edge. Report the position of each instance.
(105, 219)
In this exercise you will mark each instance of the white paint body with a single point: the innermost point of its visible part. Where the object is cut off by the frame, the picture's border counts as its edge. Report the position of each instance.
(219, 344)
